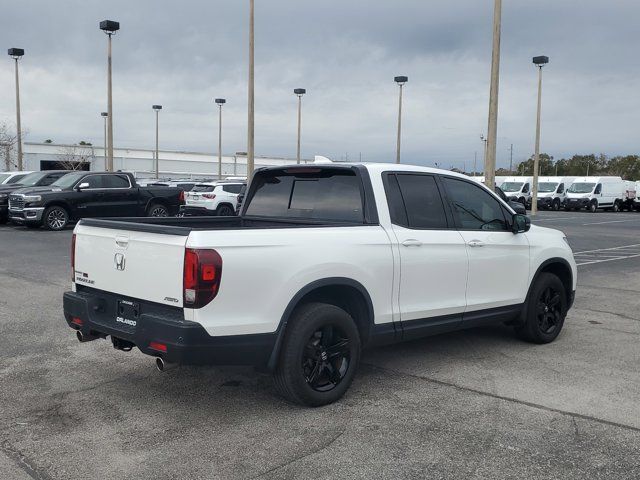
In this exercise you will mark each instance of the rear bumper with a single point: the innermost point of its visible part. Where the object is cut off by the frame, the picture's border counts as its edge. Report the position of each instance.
(94, 313)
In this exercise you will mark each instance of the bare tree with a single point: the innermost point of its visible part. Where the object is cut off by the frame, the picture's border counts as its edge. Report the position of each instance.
(8, 141)
(74, 157)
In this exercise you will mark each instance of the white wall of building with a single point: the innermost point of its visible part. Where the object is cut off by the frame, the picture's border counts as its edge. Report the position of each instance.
(141, 161)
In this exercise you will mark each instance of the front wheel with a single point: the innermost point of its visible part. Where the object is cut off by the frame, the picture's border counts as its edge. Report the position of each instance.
(593, 206)
(545, 310)
(55, 218)
(556, 205)
(319, 356)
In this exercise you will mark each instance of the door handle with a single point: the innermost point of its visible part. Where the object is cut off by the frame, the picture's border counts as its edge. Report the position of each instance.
(412, 242)
(475, 243)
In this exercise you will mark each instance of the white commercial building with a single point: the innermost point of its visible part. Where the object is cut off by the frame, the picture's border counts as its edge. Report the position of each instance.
(50, 156)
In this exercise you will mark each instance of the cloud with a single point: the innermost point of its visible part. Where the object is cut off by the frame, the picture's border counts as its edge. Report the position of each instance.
(346, 53)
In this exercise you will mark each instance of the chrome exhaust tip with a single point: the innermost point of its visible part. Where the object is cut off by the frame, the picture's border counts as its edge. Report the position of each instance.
(163, 366)
(82, 338)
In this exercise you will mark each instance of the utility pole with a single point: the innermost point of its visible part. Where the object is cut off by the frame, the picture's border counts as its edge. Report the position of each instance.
(105, 115)
(16, 54)
(157, 109)
(220, 102)
(109, 27)
(540, 62)
(511, 159)
(400, 80)
(490, 163)
(251, 108)
(299, 92)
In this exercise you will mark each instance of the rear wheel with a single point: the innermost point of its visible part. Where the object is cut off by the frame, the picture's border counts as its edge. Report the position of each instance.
(545, 310)
(616, 206)
(224, 211)
(157, 210)
(319, 356)
(55, 218)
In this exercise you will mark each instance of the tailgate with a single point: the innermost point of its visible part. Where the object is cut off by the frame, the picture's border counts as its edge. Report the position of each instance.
(143, 265)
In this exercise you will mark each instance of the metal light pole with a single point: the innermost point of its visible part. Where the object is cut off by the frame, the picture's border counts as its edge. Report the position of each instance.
(540, 62)
(105, 115)
(492, 130)
(484, 153)
(110, 28)
(511, 159)
(299, 92)
(401, 80)
(220, 102)
(16, 53)
(251, 102)
(157, 109)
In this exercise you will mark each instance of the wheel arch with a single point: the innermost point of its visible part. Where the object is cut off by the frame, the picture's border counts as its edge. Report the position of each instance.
(60, 203)
(346, 293)
(561, 268)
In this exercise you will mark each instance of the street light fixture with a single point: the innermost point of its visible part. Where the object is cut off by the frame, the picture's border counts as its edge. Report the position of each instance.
(105, 115)
(299, 92)
(400, 80)
(220, 102)
(539, 62)
(109, 27)
(157, 109)
(16, 54)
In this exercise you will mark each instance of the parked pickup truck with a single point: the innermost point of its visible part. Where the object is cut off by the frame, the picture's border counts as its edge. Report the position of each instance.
(29, 179)
(91, 194)
(323, 261)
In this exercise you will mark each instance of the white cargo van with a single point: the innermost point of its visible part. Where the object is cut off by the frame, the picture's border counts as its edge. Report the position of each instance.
(518, 189)
(593, 193)
(552, 191)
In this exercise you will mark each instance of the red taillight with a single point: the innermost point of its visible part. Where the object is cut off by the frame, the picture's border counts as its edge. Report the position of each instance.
(201, 279)
(209, 196)
(159, 347)
(77, 321)
(73, 257)
(181, 198)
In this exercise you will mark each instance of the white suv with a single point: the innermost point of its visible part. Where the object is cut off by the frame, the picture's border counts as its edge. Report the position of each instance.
(219, 198)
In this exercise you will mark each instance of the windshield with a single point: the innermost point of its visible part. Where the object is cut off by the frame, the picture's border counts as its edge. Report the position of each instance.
(508, 187)
(31, 179)
(4, 176)
(581, 188)
(546, 187)
(68, 180)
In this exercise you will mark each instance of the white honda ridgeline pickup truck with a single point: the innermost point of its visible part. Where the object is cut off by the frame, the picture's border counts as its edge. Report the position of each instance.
(323, 261)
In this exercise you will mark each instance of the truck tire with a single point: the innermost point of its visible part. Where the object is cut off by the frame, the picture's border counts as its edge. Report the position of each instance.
(593, 206)
(616, 206)
(55, 218)
(225, 211)
(545, 310)
(319, 356)
(157, 210)
(556, 204)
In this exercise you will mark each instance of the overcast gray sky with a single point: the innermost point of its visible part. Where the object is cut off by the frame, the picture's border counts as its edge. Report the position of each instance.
(346, 53)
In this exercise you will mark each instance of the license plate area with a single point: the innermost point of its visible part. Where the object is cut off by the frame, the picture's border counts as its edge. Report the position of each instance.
(127, 314)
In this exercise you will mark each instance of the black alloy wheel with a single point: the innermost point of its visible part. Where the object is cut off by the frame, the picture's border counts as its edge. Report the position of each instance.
(158, 211)
(326, 358)
(548, 310)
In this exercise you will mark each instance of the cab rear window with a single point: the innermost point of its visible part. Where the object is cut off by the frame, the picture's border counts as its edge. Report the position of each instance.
(314, 194)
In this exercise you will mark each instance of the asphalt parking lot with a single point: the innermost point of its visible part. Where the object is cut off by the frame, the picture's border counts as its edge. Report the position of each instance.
(473, 404)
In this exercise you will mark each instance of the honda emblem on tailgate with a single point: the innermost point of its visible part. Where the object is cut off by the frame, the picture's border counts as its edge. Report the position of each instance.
(119, 261)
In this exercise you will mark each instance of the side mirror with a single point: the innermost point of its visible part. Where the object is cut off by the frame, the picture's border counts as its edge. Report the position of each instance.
(520, 223)
(83, 186)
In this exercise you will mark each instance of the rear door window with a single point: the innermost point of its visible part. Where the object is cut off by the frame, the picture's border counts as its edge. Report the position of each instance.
(232, 188)
(115, 181)
(415, 201)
